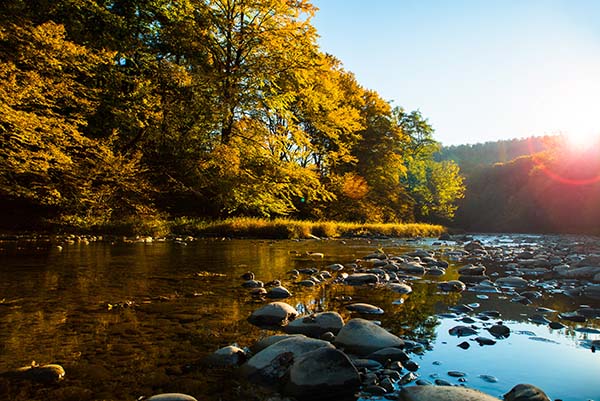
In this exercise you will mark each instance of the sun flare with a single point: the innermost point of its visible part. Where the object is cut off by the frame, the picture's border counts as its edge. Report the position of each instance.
(581, 140)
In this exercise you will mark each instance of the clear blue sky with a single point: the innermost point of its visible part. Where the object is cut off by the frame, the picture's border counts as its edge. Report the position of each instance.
(479, 70)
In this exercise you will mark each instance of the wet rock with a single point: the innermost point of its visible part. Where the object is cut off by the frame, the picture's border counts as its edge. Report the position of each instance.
(364, 337)
(306, 283)
(443, 393)
(321, 374)
(539, 319)
(435, 271)
(375, 390)
(589, 313)
(593, 290)
(525, 392)
(365, 308)
(407, 378)
(464, 345)
(278, 292)
(270, 340)
(489, 378)
(472, 270)
(366, 363)
(499, 331)
(454, 373)
(316, 325)
(258, 292)
(171, 397)
(515, 282)
(411, 365)
(274, 362)
(442, 382)
(461, 308)
(400, 288)
(248, 276)
(572, 316)
(45, 374)
(389, 354)
(586, 272)
(462, 331)
(472, 279)
(452, 286)
(412, 268)
(485, 341)
(361, 279)
(556, 325)
(273, 314)
(336, 267)
(474, 246)
(253, 284)
(226, 356)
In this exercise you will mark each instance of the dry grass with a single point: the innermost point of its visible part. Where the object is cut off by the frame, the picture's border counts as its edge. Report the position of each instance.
(248, 227)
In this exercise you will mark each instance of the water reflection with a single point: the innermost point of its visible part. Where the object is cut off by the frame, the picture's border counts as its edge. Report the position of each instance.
(127, 320)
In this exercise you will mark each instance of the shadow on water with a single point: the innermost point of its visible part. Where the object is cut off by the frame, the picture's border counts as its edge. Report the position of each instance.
(131, 320)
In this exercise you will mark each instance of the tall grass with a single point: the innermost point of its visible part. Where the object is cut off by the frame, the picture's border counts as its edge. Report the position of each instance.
(249, 227)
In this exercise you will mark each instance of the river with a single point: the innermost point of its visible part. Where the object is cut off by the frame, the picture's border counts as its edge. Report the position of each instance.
(132, 319)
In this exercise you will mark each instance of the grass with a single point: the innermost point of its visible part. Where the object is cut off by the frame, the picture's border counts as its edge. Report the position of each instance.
(248, 227)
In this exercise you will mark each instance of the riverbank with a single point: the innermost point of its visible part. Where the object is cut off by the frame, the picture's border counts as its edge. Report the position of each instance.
(238, 227)
(296, 229)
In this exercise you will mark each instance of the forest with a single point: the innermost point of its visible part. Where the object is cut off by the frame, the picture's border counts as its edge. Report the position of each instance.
(128, 112)
(537, 184)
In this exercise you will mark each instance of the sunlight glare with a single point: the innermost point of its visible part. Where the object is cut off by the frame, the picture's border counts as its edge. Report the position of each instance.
(581, 140)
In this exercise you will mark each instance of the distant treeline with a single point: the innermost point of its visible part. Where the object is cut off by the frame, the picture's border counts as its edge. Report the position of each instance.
(529, 185)
(117, 111)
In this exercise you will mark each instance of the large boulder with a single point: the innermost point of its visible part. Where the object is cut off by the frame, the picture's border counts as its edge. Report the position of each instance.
(325, 373)
(273, 362)
(317, 324)
(525, 392)
(273, 314)
(270, 340)
(443, 393)
(362, 337)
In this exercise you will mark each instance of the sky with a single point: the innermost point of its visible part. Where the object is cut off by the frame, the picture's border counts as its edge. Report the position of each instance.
(478, 70)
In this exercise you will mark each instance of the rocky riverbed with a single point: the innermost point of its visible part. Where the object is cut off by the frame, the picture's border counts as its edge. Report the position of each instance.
(374, 318)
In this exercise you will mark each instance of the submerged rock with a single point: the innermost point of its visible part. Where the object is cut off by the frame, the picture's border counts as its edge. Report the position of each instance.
(364, 337)
(400, 288)
(499, 330)
(45, 374)
(361, 279)
(452, 286)
(462, 331)
(278, 292)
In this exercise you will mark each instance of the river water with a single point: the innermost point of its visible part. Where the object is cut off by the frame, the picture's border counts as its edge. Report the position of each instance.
(127, 320)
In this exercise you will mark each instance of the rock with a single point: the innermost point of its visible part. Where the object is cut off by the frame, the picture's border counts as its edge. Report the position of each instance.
(365, 308)
(253, 284)
(499, 331)
(375, 390)
(539, 319)
(273, 362)
(474, 246)
(452, 286)
(572, 316)
(278, 292)
(525, 392)
(489, 378)
(515, 282)
(400, 288)
(324, 373)
(557, 325)
(248, 276)
(361, 279)
(273, 314)
(445, 237)
(593, 290)
(46, 374)
(443, 393)
(364, 337)
(412, 268)
(586, 272)
(455, 373)
(270, 340)
(411, 365)
(485, 341)
(462, 331)
(389, 354)
(316, 325)
(226, 356)
(171, 397)
(464, 345)
(336, 267)
(472, 270)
